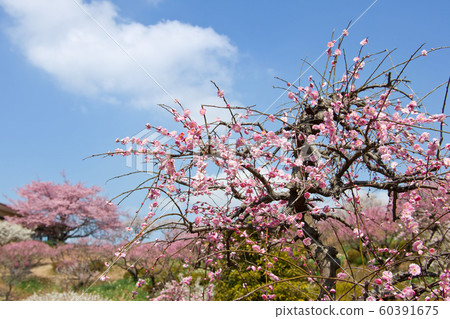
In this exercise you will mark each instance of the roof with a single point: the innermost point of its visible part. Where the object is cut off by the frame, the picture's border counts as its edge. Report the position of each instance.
(6, 211)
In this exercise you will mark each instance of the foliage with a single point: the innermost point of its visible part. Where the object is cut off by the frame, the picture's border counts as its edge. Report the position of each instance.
(63, 211)
(251, 276)
(17, 259)
(274, 277)
(257, 184)
(10, 232)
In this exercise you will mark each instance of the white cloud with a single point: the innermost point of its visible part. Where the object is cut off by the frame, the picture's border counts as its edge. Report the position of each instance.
(57, 37)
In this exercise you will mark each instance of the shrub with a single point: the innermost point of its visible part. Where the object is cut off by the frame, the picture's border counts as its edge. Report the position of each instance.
(17, 259)
(10, 232)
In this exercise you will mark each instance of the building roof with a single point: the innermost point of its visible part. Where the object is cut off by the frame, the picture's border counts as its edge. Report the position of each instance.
(6, 211)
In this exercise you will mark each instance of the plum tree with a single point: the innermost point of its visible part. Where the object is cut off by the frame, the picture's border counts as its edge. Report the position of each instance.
(253, 186)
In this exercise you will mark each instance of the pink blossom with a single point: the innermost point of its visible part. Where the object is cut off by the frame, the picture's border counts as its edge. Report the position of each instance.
(202, 111)
(338, 52)
(273, 277)
(256, 248)
(140, 283)
(345, 32)
(418, 245)
(414, 270)
(307, 241)
(240, 142)
(311, 138)
(424, 137)
(387, 276)
(186, 280)
(364, 41)
(424, 52)
(257, 137)
(220, 94)
(408, 209)
(291, 95)
(412, 105)
(314, 95)
(432, 147)
(446, 161)
(408, 292)
(385, 157)
(236, 127)
(342, 275)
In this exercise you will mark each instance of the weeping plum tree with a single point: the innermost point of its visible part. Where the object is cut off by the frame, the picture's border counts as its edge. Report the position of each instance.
(63, 211)
(253, 187)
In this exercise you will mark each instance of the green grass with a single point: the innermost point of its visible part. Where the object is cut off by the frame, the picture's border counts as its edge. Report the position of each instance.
(33, 285)
(119, 289)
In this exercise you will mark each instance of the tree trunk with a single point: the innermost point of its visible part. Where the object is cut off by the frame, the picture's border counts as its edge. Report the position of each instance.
(325, 256)
(8, 292)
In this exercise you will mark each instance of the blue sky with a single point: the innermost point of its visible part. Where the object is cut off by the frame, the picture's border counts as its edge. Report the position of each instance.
(67, 90)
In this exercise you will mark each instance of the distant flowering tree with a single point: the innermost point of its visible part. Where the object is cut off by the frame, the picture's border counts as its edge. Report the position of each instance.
(156, 262)
(155, 265)
(63, 211)
(81, 263)
(373, 218)
(140, 261)
(17, 259)
(373, 232)
(253, 186)
(10, 232)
